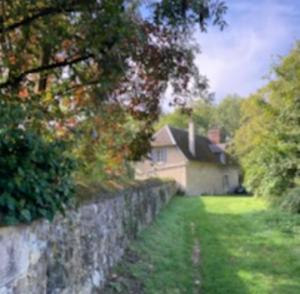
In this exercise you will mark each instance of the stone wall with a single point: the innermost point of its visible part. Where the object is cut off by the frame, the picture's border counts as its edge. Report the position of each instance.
(75, 254)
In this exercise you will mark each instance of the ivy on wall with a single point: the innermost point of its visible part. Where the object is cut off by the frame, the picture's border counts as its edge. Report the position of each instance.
(35, 174)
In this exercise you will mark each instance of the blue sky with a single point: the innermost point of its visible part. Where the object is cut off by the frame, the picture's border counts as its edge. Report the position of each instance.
(238, 59)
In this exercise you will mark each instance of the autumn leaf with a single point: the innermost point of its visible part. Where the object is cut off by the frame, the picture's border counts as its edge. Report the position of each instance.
(23, 93)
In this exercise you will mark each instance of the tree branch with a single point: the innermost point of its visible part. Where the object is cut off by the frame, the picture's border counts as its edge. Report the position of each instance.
(41, 13)
(15, 80)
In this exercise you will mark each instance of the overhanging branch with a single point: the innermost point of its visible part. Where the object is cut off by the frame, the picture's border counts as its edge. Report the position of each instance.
(15, 80)
(41, 13)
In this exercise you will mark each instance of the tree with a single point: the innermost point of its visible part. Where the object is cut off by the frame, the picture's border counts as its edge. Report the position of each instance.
(203, 115)
(78, 71)
(175, 119)
(100, 51)
(200, 111)
(268, 140)
(227, 115)
(206, 115)
(103, 153)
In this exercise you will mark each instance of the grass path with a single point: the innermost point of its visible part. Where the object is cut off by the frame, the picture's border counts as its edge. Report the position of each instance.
(244, 248)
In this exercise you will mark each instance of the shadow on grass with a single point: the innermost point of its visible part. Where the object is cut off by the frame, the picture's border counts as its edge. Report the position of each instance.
(218, 266)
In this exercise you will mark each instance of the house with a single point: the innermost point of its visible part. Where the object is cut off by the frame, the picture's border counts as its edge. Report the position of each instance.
(198, 164)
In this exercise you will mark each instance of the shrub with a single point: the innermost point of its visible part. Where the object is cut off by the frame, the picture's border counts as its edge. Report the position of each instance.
(292, 201)
(35, 175)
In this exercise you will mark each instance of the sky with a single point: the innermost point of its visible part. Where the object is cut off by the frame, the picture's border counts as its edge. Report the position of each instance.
(238, 59)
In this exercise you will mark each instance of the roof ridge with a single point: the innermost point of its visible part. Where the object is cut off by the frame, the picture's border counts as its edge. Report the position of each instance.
(186, 131)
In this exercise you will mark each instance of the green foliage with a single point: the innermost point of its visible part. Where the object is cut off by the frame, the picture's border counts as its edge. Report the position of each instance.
(202, 115)
(176, 119)
(82, 54)
(268, 141)
(225, 115)
(291, 202)
(62, 63)
(35, 175)
(103, 150)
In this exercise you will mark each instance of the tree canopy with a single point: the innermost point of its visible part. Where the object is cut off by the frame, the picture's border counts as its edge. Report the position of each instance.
(85, 53)
(205, 114)
(227, 115)
(268, 140)
(84, 79)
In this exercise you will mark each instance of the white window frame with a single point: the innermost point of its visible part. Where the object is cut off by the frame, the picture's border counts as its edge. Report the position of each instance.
(159, 155)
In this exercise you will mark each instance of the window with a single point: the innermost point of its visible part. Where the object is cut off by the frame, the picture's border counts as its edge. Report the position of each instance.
(159, 155)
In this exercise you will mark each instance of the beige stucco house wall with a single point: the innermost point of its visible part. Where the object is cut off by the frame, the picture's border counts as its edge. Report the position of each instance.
(209, 179)
(192, 176)
(173, 168)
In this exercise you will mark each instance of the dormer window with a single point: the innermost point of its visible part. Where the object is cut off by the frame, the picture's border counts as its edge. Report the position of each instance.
(159, 155)
(223, 158)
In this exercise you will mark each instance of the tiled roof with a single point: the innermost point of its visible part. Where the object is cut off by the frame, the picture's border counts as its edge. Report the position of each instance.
(203, 151)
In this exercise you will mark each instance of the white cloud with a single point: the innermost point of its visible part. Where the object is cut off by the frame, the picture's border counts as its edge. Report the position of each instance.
(236, 59)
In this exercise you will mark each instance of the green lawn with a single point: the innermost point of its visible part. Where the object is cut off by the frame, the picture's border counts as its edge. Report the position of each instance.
(244, 248)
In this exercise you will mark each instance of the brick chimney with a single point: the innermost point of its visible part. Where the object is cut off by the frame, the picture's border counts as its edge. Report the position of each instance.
(192, 139)
(214, 135)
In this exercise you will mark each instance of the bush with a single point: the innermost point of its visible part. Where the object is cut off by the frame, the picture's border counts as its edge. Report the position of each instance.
(291, 202)
(35, 176)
